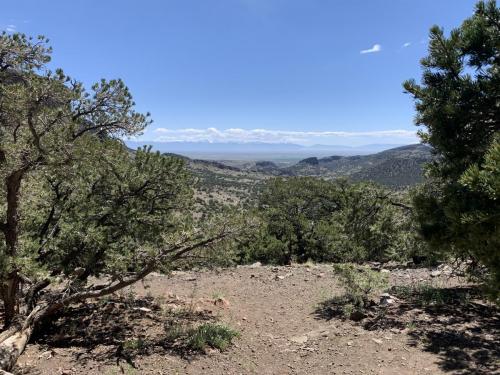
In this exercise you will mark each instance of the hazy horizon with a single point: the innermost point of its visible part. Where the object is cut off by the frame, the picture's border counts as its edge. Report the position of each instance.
(256, 151)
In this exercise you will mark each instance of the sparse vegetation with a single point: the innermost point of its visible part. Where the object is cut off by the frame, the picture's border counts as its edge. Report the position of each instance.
(134, 344)
(210, 335)
(361, 284)
(199, 338)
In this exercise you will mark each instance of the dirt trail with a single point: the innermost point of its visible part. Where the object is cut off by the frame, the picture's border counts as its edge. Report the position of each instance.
(283, 331)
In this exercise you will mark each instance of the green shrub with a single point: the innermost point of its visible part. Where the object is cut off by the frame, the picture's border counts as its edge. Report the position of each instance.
(303, 218)
(134, 344)
(360, 283)
(347, 308)
(174, 332)
(199, 338)
(211, 335)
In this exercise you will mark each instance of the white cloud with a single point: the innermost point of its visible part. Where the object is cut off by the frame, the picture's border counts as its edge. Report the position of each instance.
(375, 48)
(11, 28)
(238, 135)
(407, 44)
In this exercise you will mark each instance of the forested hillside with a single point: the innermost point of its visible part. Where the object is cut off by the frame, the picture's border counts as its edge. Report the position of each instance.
(397, 168)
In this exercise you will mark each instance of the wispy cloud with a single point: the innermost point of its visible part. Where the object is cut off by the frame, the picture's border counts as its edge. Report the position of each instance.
(271, 136)
(375, 48)
(406, 45)
(11, 28)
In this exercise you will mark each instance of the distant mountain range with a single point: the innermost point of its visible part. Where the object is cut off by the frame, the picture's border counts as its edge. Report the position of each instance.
(257, 150)
(398, 167)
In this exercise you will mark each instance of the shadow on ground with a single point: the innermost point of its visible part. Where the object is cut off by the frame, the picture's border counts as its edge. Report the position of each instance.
(118, 330)
(464, 334)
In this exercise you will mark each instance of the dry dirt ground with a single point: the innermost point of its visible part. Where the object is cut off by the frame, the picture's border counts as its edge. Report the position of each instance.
(286, 324)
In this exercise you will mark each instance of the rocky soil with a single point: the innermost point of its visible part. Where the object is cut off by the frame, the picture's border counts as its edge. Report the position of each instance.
(286, 324)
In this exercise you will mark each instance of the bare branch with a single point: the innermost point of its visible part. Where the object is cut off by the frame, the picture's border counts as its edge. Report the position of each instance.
(32, 294)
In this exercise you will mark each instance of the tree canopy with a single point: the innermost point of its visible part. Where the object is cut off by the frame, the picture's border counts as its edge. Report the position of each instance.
(306, 218)
(458, 103)
(74, 201)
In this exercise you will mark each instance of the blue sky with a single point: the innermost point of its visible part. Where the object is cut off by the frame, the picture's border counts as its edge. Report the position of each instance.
(300, 71)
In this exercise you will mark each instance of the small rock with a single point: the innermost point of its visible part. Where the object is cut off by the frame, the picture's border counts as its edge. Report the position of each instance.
(78, 271)
(209, 351)
(279, 277)
(255, 265)
(221, 301)
(46, 355)
(349, 343)
(318, 333)
(299, 339)
(143, 309)
(446, 269)
(173, 296)
(378, 341)
(384, 271)
(435, 273)
(386, 299)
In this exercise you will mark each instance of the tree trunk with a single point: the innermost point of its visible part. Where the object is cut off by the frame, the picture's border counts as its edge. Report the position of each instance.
(10, 286)
(13, 346)
(11, 229)
(14, 340)
(9, 291)
(301, 248)
(289, 254)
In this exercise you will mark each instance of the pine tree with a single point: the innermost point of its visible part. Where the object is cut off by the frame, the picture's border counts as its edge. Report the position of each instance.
(74, 201)
(458, 103)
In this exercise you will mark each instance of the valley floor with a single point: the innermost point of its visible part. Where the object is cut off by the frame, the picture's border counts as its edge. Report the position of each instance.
(285, 327)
